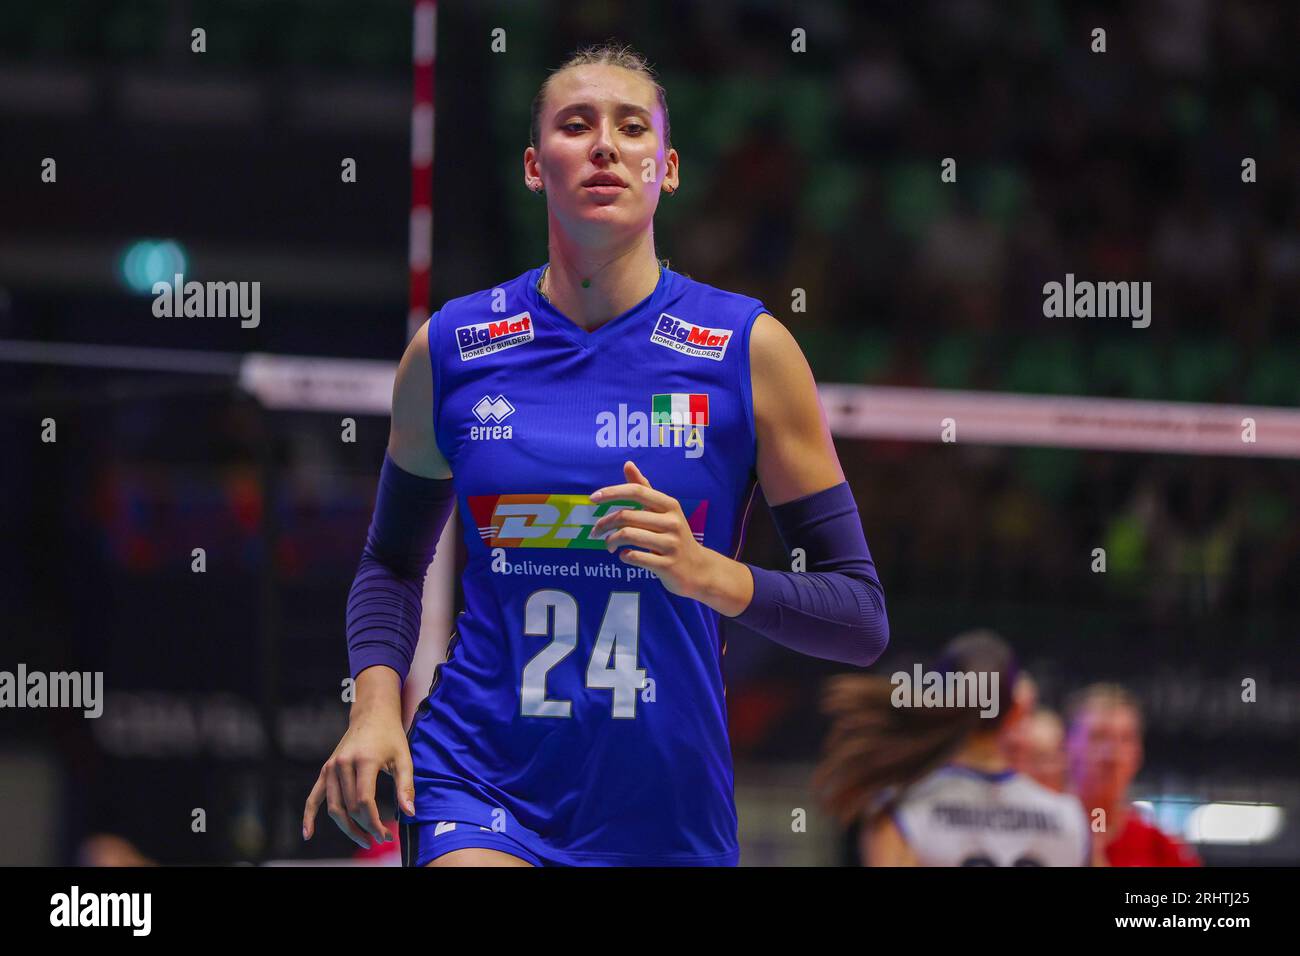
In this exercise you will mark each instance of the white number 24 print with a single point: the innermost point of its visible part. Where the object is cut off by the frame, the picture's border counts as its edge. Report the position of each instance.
(613, 659)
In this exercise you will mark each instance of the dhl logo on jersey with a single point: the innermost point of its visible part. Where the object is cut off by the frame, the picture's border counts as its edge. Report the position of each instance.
(484, 338)
(557, 520)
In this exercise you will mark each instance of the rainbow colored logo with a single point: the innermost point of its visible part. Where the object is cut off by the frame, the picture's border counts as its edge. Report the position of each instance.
(557, 520)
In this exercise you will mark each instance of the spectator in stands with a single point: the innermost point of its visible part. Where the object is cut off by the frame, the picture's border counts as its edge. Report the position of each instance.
(1104, 754)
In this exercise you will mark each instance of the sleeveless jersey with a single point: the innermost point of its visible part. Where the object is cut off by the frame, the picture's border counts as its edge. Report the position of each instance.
(960, 816)
(580, 698)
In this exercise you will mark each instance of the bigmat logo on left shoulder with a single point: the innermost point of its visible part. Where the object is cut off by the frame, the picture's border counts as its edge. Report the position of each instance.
(689, 338)
(484, 338)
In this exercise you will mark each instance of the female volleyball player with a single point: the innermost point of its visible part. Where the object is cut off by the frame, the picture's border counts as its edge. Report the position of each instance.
(931, 785)
(600, 422)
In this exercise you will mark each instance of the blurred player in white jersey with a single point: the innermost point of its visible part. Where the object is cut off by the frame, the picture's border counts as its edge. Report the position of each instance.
(929, 779)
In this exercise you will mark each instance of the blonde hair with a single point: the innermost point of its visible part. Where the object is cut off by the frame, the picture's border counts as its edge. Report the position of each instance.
(605, 54)
(1101, 694)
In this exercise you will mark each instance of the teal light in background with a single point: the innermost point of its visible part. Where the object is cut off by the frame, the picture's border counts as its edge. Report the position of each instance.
(147, 261)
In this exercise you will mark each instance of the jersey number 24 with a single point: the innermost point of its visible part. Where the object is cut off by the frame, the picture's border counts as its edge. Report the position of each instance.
(553, 613)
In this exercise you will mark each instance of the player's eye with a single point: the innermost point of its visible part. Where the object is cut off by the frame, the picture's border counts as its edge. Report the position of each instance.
(633, 129)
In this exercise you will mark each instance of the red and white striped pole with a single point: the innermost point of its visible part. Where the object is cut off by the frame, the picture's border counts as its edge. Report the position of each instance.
(439, 584)
(421, 224)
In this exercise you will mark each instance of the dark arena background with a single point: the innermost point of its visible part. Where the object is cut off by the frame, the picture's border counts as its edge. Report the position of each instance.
(1116, 495)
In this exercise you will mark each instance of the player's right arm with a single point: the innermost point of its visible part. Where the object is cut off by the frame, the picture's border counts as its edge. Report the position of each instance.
(375, 739)
(410, 435)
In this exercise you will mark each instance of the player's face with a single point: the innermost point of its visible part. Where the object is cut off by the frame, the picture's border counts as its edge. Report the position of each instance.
(1045, 753)
(602, 119)
(1105, 752)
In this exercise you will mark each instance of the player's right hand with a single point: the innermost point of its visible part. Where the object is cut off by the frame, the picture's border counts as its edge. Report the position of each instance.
(374, 741)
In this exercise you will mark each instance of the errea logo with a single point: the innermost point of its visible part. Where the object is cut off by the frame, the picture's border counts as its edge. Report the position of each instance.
(494, 410)
(688, 338)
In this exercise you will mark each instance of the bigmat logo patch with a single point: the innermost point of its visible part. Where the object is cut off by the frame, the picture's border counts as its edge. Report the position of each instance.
(557, 521)
(484, 338)
(688, 338)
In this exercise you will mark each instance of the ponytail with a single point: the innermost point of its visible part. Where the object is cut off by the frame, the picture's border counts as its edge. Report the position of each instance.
(875, 748)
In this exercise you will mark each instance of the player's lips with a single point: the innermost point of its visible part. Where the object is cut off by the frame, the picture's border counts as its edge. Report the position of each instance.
(605, 179)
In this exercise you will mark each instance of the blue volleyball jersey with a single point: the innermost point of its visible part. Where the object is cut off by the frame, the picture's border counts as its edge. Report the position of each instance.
(580, 698)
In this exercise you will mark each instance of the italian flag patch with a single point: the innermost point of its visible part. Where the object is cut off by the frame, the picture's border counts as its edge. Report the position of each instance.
(679, 409)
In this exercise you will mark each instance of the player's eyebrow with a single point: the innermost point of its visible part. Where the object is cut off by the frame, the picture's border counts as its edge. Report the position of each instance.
(620, 108)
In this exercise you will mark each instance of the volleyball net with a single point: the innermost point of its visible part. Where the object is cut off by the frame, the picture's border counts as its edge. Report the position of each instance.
(364, 387)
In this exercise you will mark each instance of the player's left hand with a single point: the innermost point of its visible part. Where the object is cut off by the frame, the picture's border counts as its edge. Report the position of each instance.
(659, 526)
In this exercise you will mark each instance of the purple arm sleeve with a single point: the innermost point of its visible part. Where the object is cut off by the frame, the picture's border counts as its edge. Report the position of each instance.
(836, 608)
(383, 618)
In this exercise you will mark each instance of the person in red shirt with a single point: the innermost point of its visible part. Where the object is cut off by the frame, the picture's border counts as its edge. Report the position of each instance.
(1104, 754)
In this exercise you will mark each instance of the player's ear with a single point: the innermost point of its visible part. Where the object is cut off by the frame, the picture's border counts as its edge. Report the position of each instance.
(672, 179)
(532, 169)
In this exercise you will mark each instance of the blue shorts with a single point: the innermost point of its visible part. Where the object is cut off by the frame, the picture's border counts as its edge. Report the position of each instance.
(424, 842)
(454, 814)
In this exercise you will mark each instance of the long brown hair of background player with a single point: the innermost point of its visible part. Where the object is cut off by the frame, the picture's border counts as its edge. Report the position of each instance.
(875, 749)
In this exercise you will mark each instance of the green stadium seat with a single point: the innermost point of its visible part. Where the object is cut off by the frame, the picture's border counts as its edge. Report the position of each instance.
(952, 360)
(1048, 366)
(1199, 372)
(1274, 378)
(1127, 370)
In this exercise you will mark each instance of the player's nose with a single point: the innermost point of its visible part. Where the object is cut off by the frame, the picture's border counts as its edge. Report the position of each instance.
(603, 150)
